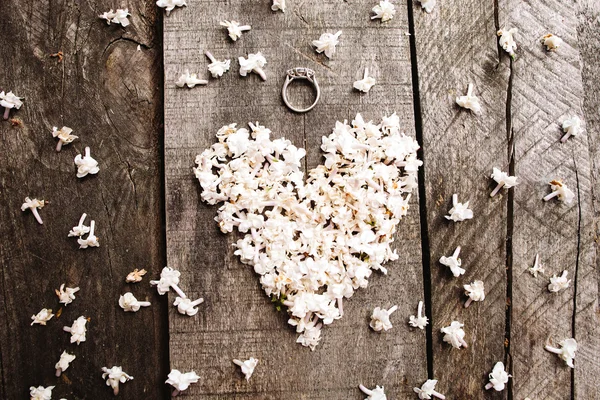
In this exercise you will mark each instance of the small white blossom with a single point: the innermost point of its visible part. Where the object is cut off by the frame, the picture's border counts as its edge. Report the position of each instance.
(366, 83)
(507, 40)
(385, 11)
(475, 292)
(454, 263)
(114, 376)
(42, 317)
(562, 191)
(254, 63)
(373, 394)
(86, 164)
(470, 101)
(34, 205)
(455, 335)
(567, 350)
(558, 283)
(217, 68)
(278, 5)
(571, 127)
(92, 240)
(77, 330)
(428, 5)
(187, 306)
(189, 80)
(326, 43)
(552, 42)
(428, 390)
(66, 296)
(80, 229)
(169, 5)
(128, 302)
(9, 101)
(498, 378)
(135, 276)
(63, 363)
(503, 180)
(64, 136)
(419, 321)
(247, 366)
(41, 393)
(459, 211)
(116, 17)
(181, 381)
(380, 320)
(537, 267)
(234, 29)
(169, 278)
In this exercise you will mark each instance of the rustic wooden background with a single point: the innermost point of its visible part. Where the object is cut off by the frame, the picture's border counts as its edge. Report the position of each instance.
(117, 98)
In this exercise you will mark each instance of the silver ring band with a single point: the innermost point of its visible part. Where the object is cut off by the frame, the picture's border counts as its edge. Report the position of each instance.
(300, 73)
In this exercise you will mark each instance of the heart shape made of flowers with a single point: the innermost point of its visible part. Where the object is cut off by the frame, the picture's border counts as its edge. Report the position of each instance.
(312, 242)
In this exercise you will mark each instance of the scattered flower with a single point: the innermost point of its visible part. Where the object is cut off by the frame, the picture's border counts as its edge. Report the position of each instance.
(114, 376)
(247, 366)
(190, 80)
(420, 321)
(92, 240)
(116, 17)
(41, 393)
(63, 363)
(169, 278)
(459, 211)
(135, 276)
(33, 205)
(454, 263)
(366, 83)
(8, 101)
(503, 180)
(234, 29)
(455, 335)
(559, 283)
(128, 302)
(428, 5)
(385, 11)
(475, 291)
(327, 43)
(380, 320)
(562, 191)
(86, 164)
(181, 381)
(254, 63)
(552, 42)
(80, 229)
(64, 136)
(278, 5)
(187, 306)
(507, 40)
(567, 350)
(374, 394)
(571, 127)
(498, 378)
(537, 267)
(169, 5)
(66, 296)
(217, 68)
(428, 390)
(77, 330)
(42, 317)
(470, 101)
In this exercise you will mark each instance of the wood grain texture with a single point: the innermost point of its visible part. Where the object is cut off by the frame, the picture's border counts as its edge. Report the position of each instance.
(237, 320)
(456, 46)
(110, 94)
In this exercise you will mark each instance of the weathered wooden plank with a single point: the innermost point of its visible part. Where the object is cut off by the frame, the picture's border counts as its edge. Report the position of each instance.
(109, 93)
(237, 319)
(456, 45)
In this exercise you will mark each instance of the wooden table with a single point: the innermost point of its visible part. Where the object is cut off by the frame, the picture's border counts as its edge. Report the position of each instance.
(115, 88)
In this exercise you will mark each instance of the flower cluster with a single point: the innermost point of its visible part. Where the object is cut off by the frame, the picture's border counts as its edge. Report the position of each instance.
(169, 279)
(181, 381)
(114, 376)
(116, 17)
(169, 5)
(507, 40)
(384, 11)
(326, 43)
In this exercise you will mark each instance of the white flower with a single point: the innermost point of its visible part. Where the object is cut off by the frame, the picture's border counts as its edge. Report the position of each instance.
(470, 101)
(454, 263)
(552, 42)
(384, 11)
(475, 292)
(428, 390)
(235, 29)
(537, 267)
(567, 350)
(181, 381)
(428, 5)
(373, 394)
(33, 205)
(114, 376)
(571, 127)
(507, 40)
(8, 101)
(92, 240)
(128, 302)
(366, 83)
(189, 80)
(42, 317)
(77, 330)
(135, 276)
(455, 335)
(66, 296)
(217, 68)
(64, 136)
(86, 164)
(169, 5)
(459, 211)
(558, 283)
(116, 17)
(187, 306)
(498, 378)
(420, 321)
(562, 191)
(41, 393)
(254, 63)
(247, 366)
(503, 180)
(63, 363)
(380, 320)
(278, 5)
(169, 278)
(327, 43)
(80, 229)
